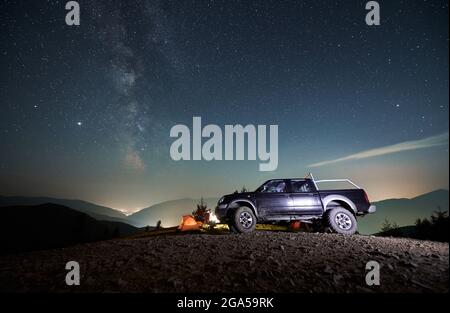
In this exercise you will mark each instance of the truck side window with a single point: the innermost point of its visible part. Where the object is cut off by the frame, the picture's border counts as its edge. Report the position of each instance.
(274, 186)
(300, 186)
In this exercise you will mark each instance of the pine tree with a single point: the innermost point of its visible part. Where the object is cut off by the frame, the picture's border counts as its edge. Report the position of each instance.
(386, 226)
(200, 213)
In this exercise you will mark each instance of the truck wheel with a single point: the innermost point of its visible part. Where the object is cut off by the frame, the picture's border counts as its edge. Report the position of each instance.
(243, 220)
(341, 221)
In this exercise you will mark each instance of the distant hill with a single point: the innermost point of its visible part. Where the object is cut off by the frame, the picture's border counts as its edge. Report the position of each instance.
(404, 211)
(96, 211)
(25, 228)
(169, 212)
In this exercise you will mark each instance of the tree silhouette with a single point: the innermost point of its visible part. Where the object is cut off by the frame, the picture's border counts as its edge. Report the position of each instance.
(158, 224)
(201, 211)
(386, 226)
(435, 228)
(390, 229)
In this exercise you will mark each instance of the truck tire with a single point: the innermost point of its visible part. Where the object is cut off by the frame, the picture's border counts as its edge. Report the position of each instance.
(243, 220)
(341, 221)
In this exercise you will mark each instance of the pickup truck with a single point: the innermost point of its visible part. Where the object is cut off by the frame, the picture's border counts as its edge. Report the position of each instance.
(295, 199)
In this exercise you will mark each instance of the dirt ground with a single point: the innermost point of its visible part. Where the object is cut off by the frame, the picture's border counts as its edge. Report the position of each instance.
(258, 262)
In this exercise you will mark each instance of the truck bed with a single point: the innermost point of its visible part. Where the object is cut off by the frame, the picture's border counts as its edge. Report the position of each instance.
(357, 196)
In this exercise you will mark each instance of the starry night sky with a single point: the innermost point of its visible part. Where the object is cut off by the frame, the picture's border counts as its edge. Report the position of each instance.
(85, 111)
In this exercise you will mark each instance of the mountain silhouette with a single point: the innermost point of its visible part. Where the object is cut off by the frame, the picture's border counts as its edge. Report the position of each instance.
(25, 228)
(404, 211)
(96, 211)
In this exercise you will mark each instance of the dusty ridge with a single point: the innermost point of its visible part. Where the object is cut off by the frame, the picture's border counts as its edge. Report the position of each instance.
(259, 262)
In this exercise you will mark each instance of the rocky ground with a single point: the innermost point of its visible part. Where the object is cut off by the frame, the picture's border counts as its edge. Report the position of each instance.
(258, 262)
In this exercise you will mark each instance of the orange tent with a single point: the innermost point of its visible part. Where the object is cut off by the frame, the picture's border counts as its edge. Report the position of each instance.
(188, 223)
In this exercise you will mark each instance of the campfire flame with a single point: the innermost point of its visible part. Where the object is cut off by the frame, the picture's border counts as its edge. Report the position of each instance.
(213, 218)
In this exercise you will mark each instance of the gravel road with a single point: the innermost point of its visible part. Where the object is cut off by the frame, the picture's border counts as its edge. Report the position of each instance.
(257, 262)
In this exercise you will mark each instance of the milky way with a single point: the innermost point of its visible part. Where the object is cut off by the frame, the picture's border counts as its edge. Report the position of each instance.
(138, 35)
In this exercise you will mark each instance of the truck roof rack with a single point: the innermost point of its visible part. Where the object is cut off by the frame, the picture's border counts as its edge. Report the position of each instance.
(310, 176)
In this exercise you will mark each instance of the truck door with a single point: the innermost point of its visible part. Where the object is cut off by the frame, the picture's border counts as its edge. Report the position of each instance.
(305, 198)
(273, 198)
